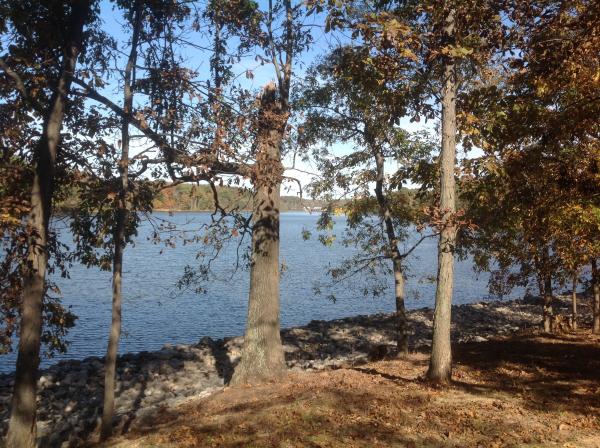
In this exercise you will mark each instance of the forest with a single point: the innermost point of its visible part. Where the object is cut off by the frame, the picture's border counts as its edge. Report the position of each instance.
(471, 123)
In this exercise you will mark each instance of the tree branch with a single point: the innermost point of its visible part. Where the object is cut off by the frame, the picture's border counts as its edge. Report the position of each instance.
(213, 165)
(21, 86)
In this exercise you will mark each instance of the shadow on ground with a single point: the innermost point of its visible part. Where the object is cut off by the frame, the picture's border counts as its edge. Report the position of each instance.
(551, 373)
(523, 391)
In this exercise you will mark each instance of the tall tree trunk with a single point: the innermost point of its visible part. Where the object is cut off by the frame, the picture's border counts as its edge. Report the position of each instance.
(548, 312)
(574, 303)
(22, 425)
(596, 291)
(262, 354)
(386, 215)
(440, 363)
(119, 236)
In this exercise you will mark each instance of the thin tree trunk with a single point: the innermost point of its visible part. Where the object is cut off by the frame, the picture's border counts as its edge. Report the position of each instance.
(574, 303)
(119, 236)
(440, 363)
(596, 291)
(216, 97)
(401, 319)
(22, 425)
(115, 329)
(548, 311)
(386, 215)
(262, 354)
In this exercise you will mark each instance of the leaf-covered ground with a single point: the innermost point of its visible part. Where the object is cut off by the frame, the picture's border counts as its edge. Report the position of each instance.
(523, 391)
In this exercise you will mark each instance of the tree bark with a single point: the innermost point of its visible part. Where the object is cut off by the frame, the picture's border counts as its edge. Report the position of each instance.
(110, 363)
(22, 431)
(596, 291)
(574, 303)
(440, 363)
(119, 236)
(401, 319)
(262, 354)
(548, 312)
(395, 255)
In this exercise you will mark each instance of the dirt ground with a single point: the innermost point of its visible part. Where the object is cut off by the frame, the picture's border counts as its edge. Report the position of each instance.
(528, 390)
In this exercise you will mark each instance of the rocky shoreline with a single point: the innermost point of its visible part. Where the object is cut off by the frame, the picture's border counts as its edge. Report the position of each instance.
(70, 392)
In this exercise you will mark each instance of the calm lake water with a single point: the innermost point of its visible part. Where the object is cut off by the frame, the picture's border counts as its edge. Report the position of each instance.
(155, 312)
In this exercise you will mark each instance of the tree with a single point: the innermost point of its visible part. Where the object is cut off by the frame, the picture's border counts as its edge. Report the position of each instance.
(539, 130)
(275, 36)
(120, 227)
(262, 354)
(22, 430)
(574, 227)
(346, 101)
(190, 156)
(513, 240)
(114, 192)
(440, 364)
(448, 43)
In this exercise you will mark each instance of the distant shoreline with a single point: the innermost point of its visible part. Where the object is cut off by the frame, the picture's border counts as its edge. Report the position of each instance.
(167, 210)
(67, 210)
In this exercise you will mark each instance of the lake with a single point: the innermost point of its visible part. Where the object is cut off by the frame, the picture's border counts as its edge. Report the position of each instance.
(155, 312)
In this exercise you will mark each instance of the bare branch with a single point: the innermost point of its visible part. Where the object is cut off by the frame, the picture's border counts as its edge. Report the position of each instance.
(423, 238)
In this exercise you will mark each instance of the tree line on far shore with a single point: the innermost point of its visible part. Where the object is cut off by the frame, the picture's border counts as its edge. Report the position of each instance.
(168, 102)
(190, 197)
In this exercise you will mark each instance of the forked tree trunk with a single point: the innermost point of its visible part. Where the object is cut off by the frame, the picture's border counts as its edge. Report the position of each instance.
(596, 291)
(119, 236)
(262, 354)
(548, 312)
(22, 425)
(440, 363)
(574, 303)
(396, 256)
